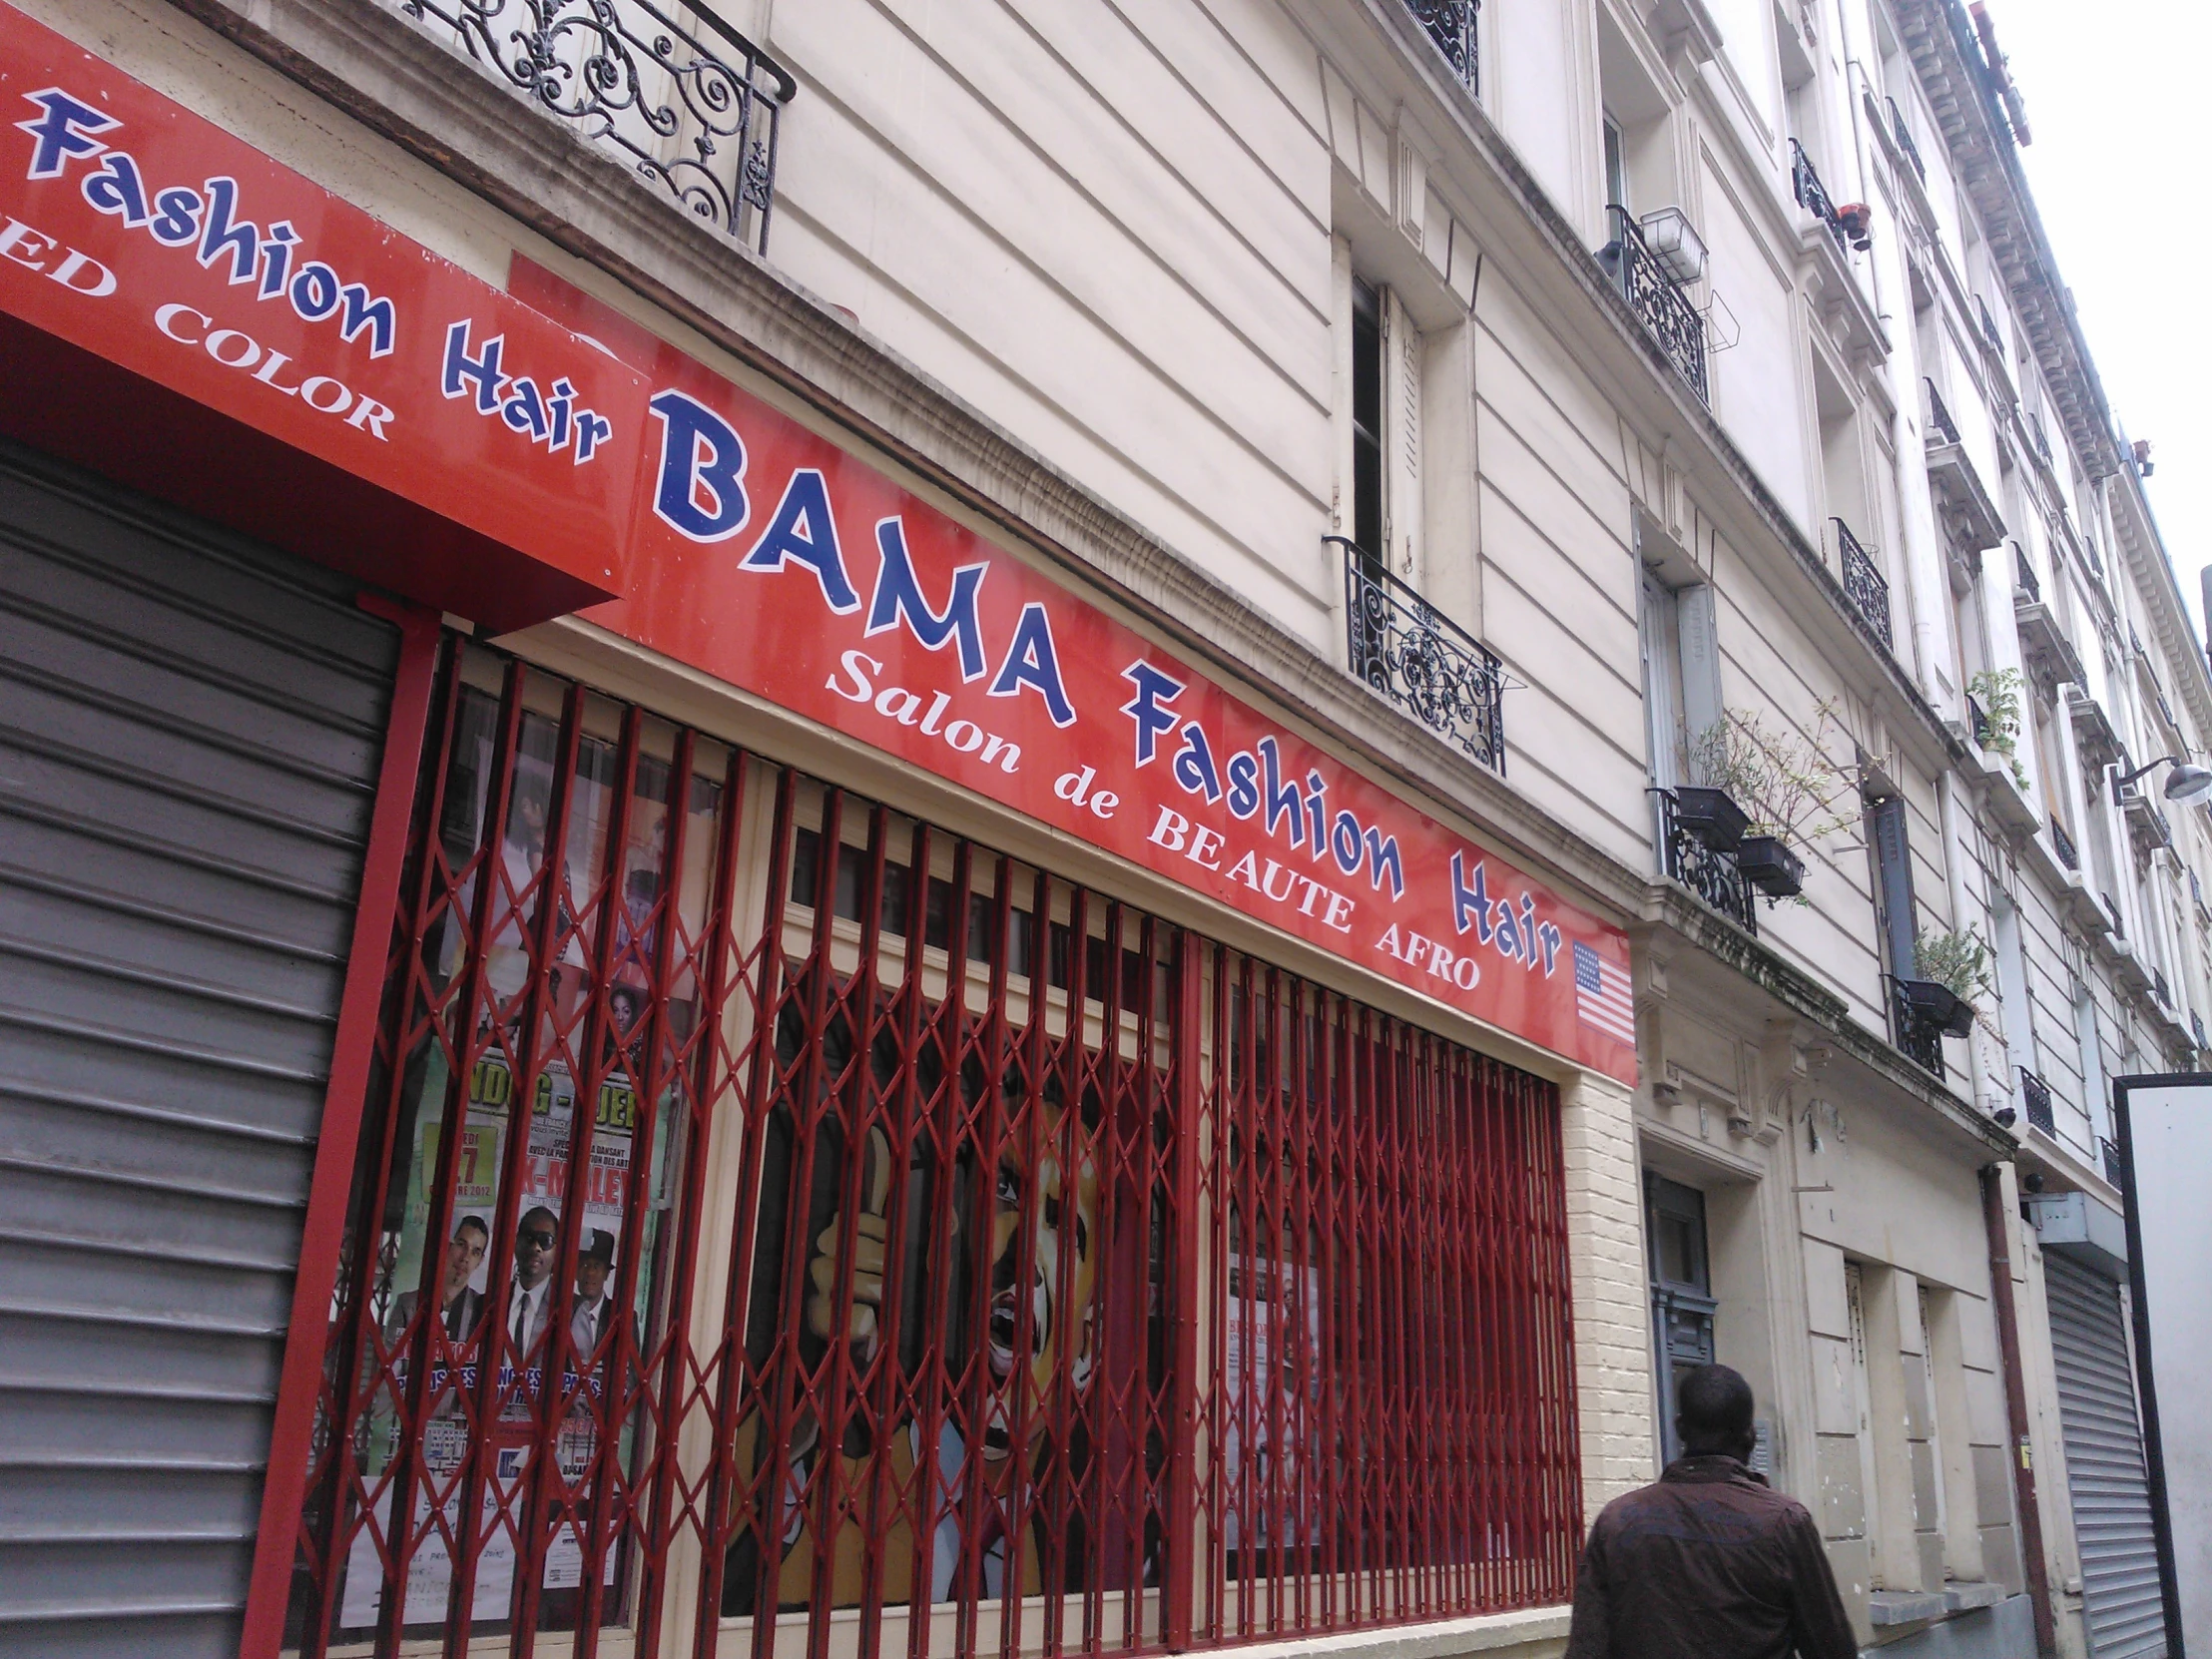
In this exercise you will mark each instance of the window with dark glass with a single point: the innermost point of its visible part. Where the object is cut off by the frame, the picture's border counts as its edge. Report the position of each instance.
(1682, 1302)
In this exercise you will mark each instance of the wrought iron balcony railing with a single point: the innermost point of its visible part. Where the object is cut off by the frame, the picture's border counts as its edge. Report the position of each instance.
(1813, 196)
(2114, 1170)
(1919, 1038)
(1707, 871)
(2023, 575)
(1868, 588)
(1904, 136)
(2062, 844)
(1938, 415)
(1977, 718)
(2039, 437)
(1451, 24)
(692, 108)
(1987, 323)
(1422, 660)
(2196, 1029)
(1657, 299)
(2036, 1097)
(2158, 983)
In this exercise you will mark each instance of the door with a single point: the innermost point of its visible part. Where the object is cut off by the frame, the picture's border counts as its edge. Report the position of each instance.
(189, 732)
(1682, 1302)
(2104, 1462)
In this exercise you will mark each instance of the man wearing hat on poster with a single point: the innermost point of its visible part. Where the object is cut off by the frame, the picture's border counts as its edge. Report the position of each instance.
(595, 1309)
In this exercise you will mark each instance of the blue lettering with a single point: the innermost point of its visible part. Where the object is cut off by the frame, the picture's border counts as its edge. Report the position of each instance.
(240, 239)
(1031, 661)
(117, 188)
(804, 530)
(1471, 906)
(463, 371)
(899, 595)
(1382, 860)
(1508, 939)
(62, 130)
(1244, 783)
(1147, 706)
(176, 218)
(314, 292)
(592, 430)
(1343, 842)
(376, 316)
(276, 244)
(1194, 766)
(1281, 798)
(1549, 937)
(702, 491)
(557, 408)
(524, 410)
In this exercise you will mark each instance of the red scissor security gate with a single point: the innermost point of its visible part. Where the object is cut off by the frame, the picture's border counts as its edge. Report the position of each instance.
(784, 1225)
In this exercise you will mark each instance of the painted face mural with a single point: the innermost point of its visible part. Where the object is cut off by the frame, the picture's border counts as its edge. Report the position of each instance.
(970, 1268)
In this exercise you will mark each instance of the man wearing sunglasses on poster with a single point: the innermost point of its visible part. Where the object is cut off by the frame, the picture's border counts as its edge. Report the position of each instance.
(530, 1299)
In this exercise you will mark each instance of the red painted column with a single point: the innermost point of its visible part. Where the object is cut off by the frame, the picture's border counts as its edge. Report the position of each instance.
(285, 1487)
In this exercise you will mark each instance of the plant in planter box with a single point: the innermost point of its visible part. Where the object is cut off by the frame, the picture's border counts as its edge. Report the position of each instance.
(1954, 971)
(1791, 790)
(1999, 697)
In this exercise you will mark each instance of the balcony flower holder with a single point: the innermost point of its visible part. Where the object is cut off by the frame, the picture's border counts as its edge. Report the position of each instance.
(1712, 816)
(1768, 865)
(1936, 1006)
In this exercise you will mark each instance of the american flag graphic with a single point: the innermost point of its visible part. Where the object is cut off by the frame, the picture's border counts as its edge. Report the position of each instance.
(1601, 995)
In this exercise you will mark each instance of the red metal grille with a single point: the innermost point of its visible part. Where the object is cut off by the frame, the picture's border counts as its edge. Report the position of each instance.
(964, 1261)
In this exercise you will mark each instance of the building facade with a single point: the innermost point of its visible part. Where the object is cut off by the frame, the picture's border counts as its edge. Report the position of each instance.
(1219, 762)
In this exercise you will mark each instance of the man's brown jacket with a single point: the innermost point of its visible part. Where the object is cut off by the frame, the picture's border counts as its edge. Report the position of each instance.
(1710, 1563)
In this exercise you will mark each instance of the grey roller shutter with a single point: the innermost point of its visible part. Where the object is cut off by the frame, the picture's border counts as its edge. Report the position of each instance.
(2104, 1462)
(190, 730)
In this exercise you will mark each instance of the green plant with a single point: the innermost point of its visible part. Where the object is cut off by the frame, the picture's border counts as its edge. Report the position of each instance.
(1958, 961)
(1792, 788)
(1998, 693)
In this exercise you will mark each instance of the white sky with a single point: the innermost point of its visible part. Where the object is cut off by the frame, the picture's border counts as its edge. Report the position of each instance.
(2118, 98)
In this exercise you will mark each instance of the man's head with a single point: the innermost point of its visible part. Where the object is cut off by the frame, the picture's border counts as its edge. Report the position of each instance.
(537, 1242)
(465, 1255)
(1038, 1205)
(1713, 1408)
(593, 1266)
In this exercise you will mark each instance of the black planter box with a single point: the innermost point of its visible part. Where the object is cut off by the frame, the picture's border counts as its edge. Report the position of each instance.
(1711, 817)
(1770, 867)
(1937, 1005)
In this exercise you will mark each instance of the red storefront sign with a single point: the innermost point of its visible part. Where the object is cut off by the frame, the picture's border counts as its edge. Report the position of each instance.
(180, 311)
(775, 561)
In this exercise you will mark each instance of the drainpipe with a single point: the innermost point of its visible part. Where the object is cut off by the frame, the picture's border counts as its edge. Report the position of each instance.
(2034, 1565)
(1953, 818)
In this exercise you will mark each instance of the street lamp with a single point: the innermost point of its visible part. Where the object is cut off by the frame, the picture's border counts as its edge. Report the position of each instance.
(2185, 782)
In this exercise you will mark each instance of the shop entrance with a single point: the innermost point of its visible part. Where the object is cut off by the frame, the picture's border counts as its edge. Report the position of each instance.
(781, 1220)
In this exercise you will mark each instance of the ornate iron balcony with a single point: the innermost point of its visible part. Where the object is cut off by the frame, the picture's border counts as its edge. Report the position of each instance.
(1938, 416)
(1713, 875)
(2038, 436)
(1977, 718)
(1904, 136)
(1422, 660)
(2023, 575)
(1919, 1038)
(1988, 325)
(1451, 24)
(2158, 983)
(2062, 844)
(2035, 1096)
(692, 109)
(1813, 196)
(1664, 309)
(2114, 1171)
(2196, 1027)
(1868, 588)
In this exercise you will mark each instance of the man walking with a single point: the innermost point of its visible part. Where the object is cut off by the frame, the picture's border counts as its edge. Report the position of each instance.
(1711, 1562)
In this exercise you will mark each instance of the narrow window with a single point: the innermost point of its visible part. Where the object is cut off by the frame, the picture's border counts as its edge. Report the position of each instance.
(1682, 1304)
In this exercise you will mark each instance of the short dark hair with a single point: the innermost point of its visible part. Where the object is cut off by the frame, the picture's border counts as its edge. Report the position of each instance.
(533, 1213)
(466, 1221)
(1714, 1406)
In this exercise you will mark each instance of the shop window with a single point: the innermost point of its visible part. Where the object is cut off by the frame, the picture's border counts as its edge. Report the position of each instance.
(1682, 1302)
(906, 1247)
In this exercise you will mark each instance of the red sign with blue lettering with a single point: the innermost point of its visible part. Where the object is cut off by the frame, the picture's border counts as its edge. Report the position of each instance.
(773, 560)
(151, 238)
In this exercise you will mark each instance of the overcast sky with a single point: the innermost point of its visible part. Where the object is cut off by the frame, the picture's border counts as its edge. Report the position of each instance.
(2118, 97)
